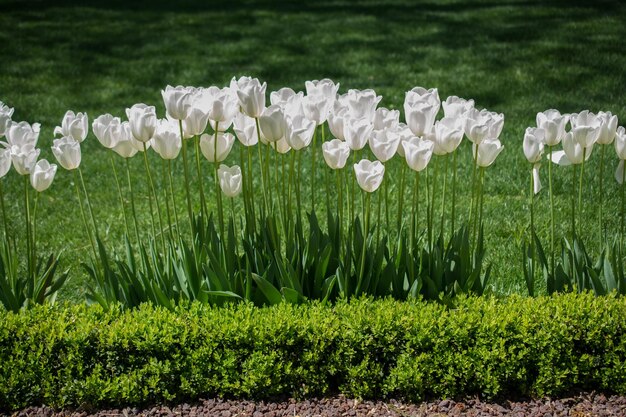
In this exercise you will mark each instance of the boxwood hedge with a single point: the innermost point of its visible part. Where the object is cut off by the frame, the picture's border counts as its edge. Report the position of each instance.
(79, 355)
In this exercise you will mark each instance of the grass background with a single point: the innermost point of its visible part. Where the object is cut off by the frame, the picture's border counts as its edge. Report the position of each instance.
(514, 57)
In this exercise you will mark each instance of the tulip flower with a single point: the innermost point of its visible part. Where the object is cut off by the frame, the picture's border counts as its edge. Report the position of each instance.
(316, 108)
(6, 113)
(369, 175)
(487, 151)
(221, 105)
(386, 119)
(251, 95)
(620, 149)
(281, 146)
(326, 88)
(586, 128)
(67, 152)
(336, 120)
(22, 134)
(166, 141)
(422, 95)
(483, 124)
(224, 145)
(5, 161)
(177, 102)
(357, 132)
(75, 126)
(245, 129)
(533, 144)
(272, 123)
(107, 130)
(142, 121)
(24, 158)
(42, 175)
(420, 117)
(417, 153)
(384, 144)
(282, 96)
(362, 104)
(574, 152)
(299, 132)
(553, 123)
(447, 136)
(405, 134)
(456, 107)
(195, 123)
(126, 145)
(608, 128)
(230, 180)
(336, 153)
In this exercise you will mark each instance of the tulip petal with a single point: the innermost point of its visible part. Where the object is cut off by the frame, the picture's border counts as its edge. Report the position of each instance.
(619, 172)
(559, 158)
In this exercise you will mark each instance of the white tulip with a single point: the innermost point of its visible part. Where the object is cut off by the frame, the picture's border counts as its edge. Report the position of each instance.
(75, 126)
(336, 121)
(224, 145)
(456, 107)
(299, 132)
(67, 152)
(22, 134)
(336, 153)
(197, 119)
(281, 146)
(620, 142)
(42, 175)
(420, 117)
(325, 87)
(230, 180)
(608, 128)
(282, 96)
(107, 130)
(422, 95)
(6, 113)
(586, 128)
(405, 134)
(177, 101)
(356, 132)
(447, 136)
(619, 172)
(536, 179)
(533, 144)
(245, 129)
(417, 153)
(142, 120)
(316, 108)
(483, 124)
(369, 175)
(272, 123)
(384, 144)
(25, 157)
(5, 161)
(487, 151)
(386, 119)
(251, 95)
(127, 146)
(553, 123)
(166, 141)
(362, 103)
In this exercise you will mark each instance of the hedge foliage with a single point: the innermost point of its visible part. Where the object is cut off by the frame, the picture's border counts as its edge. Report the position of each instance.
(79, 355)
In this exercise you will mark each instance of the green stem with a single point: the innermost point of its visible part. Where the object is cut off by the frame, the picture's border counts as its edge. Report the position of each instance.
(573, 201)
(258, 131)
(84, 217)
(167, 199)
(186, 173)
(4, 212)
(482, 197)
(601, 222)
(401, 199)
(218, 193)
(298, 202)
(132, 199)
(474, 165)
(552, 226)
(171, 183)
(378, 225)
(386, 190)
(89, 207)
(622, 214)
(580, 187)
(28, 232)
(313, 168)
(34, 246)
(443, 195)
(415, 211)
(154, 195)
(532, 232)
(121, 197)
(203, 206)
(365, 236)
(453, 214)
(251, 190)
(428, 209)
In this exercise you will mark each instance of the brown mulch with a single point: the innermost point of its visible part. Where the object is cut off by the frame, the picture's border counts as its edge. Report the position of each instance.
(583, 405)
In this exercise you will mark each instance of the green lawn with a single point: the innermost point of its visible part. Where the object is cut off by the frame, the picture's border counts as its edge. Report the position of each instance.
(514, 57)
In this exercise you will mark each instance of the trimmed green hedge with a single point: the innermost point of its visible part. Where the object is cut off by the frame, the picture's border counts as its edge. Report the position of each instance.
(79, 355)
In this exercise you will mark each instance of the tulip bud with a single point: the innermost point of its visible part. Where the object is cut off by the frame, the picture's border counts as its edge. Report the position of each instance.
(608, 127)
(22, 134)
(67, 152)
(533, 144)
(251, 95)
(336, 120)
(417, 153)
(230, 180)
(336, 153)
(369, 175)
(107, 130)
(245, 129)
(272, 123)
(420, 117)
(447, 136)
(75, 126)
(6, 113)
(299, 132)
(486, 152)
(224, 144)
(177, 102)
(553, 124)
(42, 175)
(357, 132)
(166, 141)
(384, 144)
(5, 161)
(24, 158)
(620, 142)
(142, 121)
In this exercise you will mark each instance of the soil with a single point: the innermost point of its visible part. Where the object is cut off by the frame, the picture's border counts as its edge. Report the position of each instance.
(583, 405)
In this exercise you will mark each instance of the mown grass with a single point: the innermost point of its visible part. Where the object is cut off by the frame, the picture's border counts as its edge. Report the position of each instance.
(514, 57)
